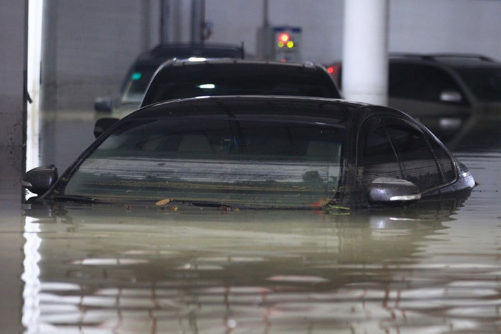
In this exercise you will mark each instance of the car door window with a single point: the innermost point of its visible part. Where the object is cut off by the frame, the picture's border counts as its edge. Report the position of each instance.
(377, 158)
(420, 82)
(417, 160)
(444, 160)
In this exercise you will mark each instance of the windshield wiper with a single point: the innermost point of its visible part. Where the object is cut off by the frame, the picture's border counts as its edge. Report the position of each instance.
(77, 198)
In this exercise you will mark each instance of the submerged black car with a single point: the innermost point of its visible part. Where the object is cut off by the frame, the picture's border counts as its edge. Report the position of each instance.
(259, 152)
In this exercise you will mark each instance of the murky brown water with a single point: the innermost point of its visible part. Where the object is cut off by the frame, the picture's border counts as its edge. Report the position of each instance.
(131, 270)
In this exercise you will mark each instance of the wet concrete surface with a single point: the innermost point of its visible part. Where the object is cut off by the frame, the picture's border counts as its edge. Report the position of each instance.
(107, 269)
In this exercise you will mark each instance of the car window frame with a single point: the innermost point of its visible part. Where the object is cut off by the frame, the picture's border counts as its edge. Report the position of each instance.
(387, 120)
(59, 186)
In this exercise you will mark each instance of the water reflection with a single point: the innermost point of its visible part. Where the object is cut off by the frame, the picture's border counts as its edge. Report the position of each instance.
(104, 269)
(479, 134)
(31, 293)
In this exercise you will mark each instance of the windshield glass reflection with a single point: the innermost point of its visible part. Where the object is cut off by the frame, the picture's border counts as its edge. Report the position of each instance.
(228, 161)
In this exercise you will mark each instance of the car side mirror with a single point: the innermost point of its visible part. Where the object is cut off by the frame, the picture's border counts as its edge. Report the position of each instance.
(103, 124)
(392, 191)
(40, 179)
(103, 104)
(451, 96)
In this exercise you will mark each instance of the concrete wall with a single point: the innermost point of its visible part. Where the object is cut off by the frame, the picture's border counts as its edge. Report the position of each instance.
(446, 26)
(321, 21)
(90, 44)
(12, 107)
(415, 25)
(13, 36)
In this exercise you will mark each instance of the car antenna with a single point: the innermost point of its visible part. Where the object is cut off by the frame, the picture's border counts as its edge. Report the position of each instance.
(243, 50)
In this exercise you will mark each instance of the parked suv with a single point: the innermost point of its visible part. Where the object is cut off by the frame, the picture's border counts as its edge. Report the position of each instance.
(141, 71)
(442, 90)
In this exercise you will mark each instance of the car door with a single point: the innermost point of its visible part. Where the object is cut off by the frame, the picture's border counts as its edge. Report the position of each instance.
(429, 94)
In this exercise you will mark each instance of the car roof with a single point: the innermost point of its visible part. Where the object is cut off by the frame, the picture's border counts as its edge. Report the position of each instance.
(289, 107)
(240, 63)
(453, 60)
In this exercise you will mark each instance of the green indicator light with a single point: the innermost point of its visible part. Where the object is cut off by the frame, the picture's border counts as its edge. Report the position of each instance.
(136, 76)
(280, 44)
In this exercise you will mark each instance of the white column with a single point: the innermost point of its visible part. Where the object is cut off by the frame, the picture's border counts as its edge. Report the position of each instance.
(365, 51)
(35, 16)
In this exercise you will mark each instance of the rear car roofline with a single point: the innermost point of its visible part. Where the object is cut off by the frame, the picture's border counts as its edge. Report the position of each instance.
(443, 56)
(235, 61)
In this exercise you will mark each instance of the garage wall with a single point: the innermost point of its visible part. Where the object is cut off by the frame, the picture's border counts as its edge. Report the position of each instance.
(89, 44)
(13, 41)
(446, 26)
(415, 25)
(321, 22)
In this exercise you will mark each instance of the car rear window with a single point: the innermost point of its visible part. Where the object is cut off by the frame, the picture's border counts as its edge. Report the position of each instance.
(253, 163)
(184, 82)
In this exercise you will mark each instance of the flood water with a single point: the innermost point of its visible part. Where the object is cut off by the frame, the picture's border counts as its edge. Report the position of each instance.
(190, 270)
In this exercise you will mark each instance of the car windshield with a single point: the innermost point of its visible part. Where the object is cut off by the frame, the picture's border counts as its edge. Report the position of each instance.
(183, 82)
(139, 75)
(485, 83)
(136, 86)
(232, 161)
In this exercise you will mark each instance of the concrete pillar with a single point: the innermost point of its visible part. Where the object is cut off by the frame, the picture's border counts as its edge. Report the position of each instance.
(197, 20)
(365, 51)
(13, 50)
(13, 53)
(165, 9)
(146, 25)
(33, 83)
